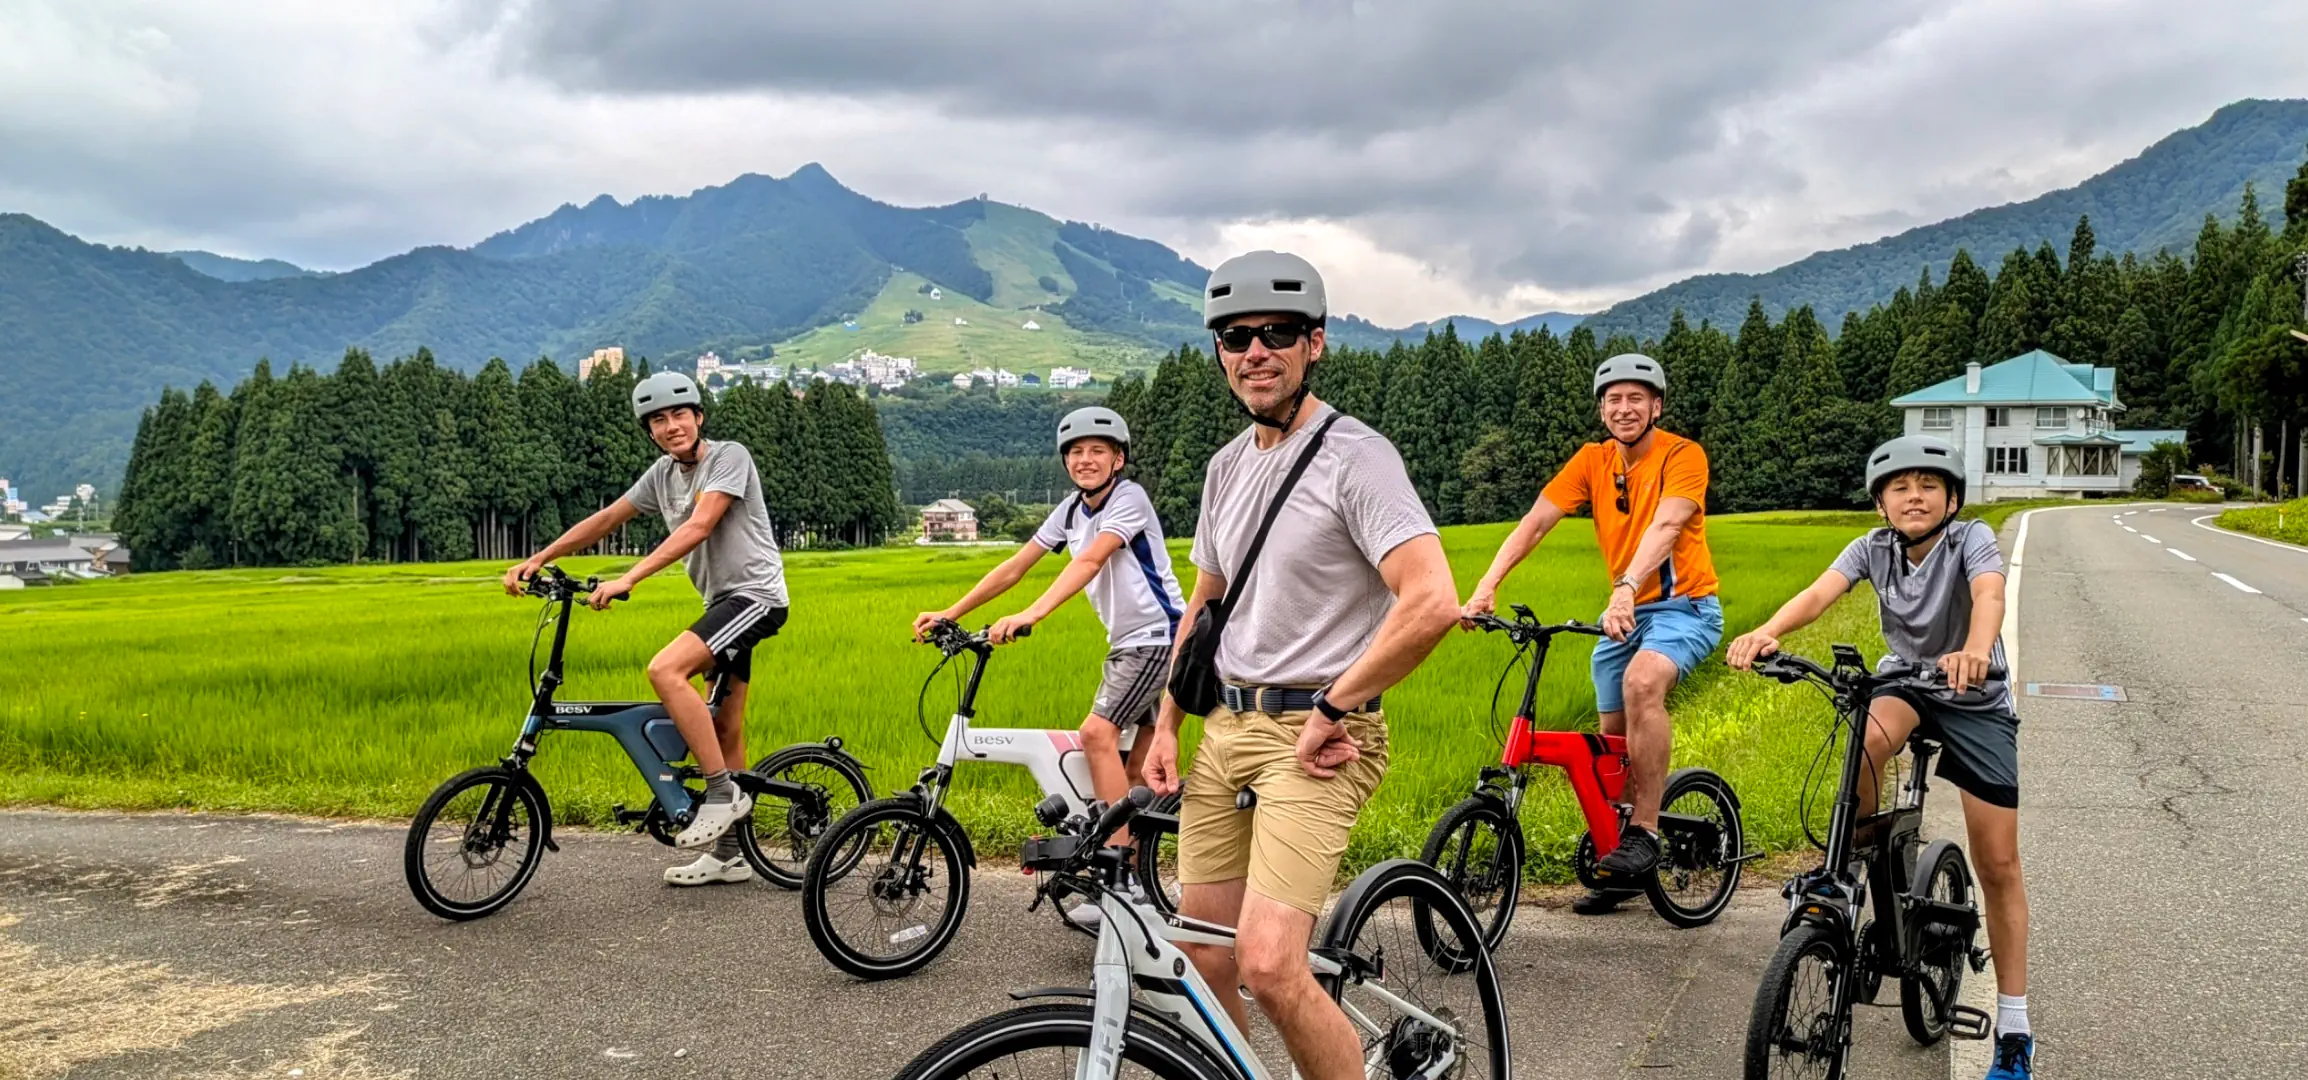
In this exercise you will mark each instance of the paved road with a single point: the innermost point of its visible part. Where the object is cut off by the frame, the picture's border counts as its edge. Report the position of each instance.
(293, 944)
(2165, 837)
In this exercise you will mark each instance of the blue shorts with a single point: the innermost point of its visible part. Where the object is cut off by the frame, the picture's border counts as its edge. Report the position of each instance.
(1681, 629)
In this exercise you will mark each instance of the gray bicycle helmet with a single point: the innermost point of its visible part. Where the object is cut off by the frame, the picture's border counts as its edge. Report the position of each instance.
(1261, 282)
(1095, 420)
(665, 390)
(1910, 452)
(1631, 367)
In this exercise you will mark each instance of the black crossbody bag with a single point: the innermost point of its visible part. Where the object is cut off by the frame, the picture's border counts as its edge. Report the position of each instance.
(1194, 674)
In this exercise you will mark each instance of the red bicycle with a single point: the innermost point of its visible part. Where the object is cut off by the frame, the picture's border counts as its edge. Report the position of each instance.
(1478, 844)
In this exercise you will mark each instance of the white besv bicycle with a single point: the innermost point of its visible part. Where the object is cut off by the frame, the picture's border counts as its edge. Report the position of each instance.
(885, 888)
(1430, 1011)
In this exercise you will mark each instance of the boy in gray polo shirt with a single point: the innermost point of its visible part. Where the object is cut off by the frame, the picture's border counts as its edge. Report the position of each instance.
(1939, 590)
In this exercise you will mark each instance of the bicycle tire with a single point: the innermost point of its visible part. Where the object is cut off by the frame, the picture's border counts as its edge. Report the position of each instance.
(918, 847)
(1946, 879)
(510, 791)
(1492, 891)
(1006, 1035)
(1826, 1036)
(1685, 906)
(1464, 969)
(1158, 860)
(793, 830)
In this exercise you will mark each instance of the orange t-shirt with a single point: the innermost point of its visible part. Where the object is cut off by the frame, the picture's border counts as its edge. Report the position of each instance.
(1675, 467)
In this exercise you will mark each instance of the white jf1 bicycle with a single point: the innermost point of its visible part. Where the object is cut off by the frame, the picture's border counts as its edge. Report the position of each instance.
(886, 887)
(1401, 953)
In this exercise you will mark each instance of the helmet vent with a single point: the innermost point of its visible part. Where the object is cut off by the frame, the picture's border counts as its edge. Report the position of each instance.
(1221, 292)
(1289, 286)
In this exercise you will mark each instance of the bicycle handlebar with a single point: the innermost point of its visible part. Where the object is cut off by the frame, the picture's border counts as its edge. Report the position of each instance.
(553, 583)
(951, 638)
(1528, 628)
(1791, 668)
(1079, 839)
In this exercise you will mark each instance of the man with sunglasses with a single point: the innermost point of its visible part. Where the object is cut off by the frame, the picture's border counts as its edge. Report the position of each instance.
(1348, 594)
(1649, 492)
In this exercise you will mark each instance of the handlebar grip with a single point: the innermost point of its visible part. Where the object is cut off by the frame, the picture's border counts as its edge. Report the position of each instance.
(1121, 812)
(1025, 631)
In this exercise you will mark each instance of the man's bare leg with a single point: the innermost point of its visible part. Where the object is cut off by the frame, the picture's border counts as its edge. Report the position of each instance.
(1270, 949)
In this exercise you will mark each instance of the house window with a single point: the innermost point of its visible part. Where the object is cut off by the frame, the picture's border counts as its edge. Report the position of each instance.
(2051, 416)
(1942, 419)
(1998, 416)
(2007, 459)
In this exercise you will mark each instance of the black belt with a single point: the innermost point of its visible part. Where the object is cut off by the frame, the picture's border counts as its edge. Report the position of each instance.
(1276, 699)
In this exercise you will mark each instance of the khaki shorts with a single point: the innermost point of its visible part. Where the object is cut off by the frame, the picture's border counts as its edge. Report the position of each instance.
(1290, 846)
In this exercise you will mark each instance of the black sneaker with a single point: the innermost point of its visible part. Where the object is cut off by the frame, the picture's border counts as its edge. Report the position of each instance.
(1636, 856)
(1602, 901)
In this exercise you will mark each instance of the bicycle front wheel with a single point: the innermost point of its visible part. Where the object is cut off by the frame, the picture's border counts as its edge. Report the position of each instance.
(1158, 860)
(475, 843)
(1479, 847)
(1045, 1042)
(1800, 1028)
(1431, 996)
(884, 891)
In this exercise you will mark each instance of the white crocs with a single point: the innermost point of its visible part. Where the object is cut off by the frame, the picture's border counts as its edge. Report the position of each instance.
(708, 870)
(713, 819)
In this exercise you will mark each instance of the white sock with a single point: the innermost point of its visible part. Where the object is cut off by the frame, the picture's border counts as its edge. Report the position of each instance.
(2011, 1015)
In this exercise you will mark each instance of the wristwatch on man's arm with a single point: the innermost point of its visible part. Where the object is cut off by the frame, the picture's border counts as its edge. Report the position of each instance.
(1325, 709)
(1628, 581)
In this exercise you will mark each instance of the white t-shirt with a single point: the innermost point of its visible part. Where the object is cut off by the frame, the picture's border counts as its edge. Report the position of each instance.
(1315, 600)
(1134, 593)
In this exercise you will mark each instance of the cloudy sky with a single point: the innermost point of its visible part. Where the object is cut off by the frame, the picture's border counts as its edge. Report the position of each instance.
(1432, 155)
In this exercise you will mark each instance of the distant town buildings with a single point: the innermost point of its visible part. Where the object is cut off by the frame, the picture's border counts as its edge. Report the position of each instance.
(1069, 378)
(27, 561)
(1031, 325)
(611, 360)
(11, 500)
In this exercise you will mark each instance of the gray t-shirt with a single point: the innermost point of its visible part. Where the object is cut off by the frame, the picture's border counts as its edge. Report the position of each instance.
(1315, 599)
(740, 557)
(1926, 609)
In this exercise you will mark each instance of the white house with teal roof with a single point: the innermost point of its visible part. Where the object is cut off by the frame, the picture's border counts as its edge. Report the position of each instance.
(2034, 426)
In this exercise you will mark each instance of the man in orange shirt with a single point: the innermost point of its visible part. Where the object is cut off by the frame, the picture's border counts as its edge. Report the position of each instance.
(1649, 491)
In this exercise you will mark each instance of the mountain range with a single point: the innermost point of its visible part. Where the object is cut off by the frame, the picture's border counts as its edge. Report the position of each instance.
(808, 269)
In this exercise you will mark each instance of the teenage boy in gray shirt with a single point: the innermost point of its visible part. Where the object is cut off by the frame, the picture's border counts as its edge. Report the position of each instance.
(1939, 590)
(709, 492)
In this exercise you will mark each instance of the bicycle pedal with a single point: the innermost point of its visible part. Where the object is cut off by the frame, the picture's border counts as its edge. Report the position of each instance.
(623, 817)
(1979, 960)
(1965, 1022)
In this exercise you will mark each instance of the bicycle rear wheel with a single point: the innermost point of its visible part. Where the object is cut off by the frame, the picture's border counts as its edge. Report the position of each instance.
(1702, 837)
(1045, 1042)
(475, 843)
(1799, 1028)
(1402, 920)
(1925, 997)
(897, 903)
(1479, 848)
(784, 830)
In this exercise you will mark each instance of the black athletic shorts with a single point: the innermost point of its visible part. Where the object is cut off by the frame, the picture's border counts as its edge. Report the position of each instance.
(732, 626)
(1979, 748)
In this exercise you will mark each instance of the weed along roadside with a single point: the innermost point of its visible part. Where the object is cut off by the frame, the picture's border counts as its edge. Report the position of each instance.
(351, 691)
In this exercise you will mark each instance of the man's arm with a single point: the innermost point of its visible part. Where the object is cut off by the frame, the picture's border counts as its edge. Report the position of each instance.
(1800, 610)
(1542, 518)
(1425, 606)
(1073, 579)
(1657, 543)
(1968, 668)
(595, 528)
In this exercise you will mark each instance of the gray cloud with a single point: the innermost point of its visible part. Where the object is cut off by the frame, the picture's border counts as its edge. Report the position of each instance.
(1494, 157)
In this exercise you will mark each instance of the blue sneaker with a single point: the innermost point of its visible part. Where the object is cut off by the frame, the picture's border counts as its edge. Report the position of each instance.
(2014, 1058)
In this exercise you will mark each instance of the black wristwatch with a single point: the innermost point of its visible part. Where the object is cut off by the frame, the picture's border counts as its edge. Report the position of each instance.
(1329, 712)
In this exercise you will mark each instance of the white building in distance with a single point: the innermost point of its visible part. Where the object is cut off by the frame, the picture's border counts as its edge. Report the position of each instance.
(1069, 378)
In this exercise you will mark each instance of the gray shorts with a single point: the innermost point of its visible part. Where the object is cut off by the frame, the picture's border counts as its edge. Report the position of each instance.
(1133, 684)
(1979, 748)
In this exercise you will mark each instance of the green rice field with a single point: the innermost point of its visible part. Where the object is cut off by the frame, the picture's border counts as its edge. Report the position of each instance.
(353, 691)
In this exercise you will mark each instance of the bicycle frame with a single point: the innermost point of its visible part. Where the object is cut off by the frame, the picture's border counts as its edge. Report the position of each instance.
(1138, 949)
(1595, 764)
(1053, 756)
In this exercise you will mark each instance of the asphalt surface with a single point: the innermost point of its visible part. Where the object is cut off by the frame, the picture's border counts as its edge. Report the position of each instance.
(2162, 835)
(287, 944)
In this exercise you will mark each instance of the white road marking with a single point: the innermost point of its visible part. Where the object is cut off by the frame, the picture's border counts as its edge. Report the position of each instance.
(2159, 510)
(2233, 581)
(2150, 539)
(2182, 554)
(2129, 513)
(2129, 529)
(2199, 523)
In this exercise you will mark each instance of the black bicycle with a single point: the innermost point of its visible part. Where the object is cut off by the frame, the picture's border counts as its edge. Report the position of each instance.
(1835, 949)
(476, 841)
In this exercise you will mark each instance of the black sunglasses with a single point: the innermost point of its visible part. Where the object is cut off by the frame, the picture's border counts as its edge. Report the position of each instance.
(1619, 480)
(1281, 335)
